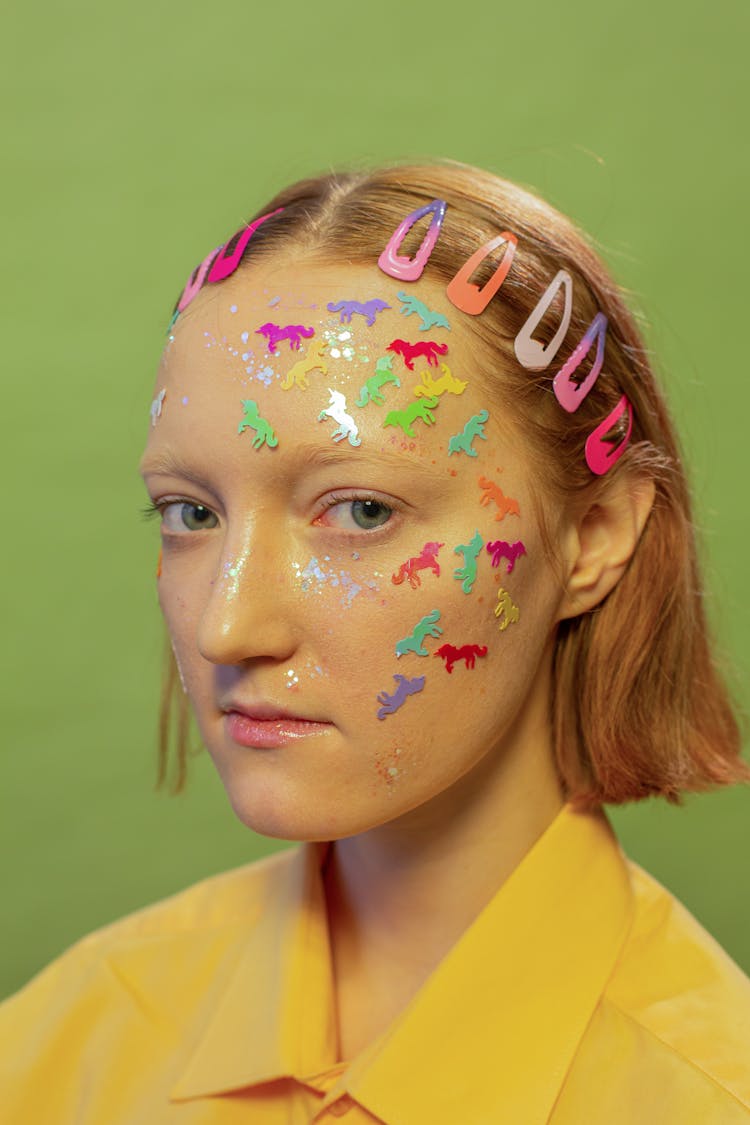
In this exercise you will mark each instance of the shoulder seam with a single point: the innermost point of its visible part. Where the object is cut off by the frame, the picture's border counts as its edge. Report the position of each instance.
(685, 1058)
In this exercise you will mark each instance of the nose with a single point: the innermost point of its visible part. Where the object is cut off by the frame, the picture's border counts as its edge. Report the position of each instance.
(247, 615)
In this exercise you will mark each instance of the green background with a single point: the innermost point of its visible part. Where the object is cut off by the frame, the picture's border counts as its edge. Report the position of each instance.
(138, 138)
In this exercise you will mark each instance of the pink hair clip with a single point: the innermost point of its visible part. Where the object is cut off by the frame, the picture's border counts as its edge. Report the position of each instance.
(219, 264)
(600, 454)
(225, 264)
(409, 269)
(529, 352)
(568, 392)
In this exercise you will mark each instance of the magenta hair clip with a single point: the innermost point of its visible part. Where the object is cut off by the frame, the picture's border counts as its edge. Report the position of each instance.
(468, 297)
(569, 393)
(410, 269)
(225, 264)
(600, 454)
(530, 353)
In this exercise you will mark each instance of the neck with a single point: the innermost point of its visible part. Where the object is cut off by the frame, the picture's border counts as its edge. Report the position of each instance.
(400, 895)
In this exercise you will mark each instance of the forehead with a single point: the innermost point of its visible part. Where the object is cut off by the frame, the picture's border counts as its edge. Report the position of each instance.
(342, 357)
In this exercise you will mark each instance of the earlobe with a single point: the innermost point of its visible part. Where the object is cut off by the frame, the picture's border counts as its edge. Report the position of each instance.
(603, 542)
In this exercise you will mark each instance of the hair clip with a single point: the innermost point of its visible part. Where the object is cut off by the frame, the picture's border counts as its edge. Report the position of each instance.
(568, 392)
(226, 263)
(600, 454)
(195, 282)
(467, 296)
(530, 353)
(409, 269)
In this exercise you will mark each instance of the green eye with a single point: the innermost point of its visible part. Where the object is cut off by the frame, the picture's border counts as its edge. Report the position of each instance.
(370, 513)
(181, 516)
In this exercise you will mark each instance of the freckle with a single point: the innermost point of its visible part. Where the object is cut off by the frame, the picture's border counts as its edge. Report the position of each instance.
(453, 472)
(480, 600)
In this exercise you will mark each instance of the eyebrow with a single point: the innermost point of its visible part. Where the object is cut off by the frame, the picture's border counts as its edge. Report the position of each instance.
(323, 456)
(170, 463)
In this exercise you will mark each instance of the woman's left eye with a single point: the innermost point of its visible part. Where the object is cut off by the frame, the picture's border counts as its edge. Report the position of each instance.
(356, 514)
(183, 516)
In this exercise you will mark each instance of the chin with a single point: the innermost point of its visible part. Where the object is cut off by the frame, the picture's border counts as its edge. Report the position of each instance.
(284, 817)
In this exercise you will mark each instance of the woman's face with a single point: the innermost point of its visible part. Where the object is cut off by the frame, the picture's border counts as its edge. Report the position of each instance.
(331, 521)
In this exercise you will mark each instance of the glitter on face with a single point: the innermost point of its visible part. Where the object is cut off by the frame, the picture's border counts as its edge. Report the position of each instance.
(231, 574)
(390, 768)
(185, 400)
(292, 679)
(341, 344)
(179, 669)
(233, 308)
(315, 578)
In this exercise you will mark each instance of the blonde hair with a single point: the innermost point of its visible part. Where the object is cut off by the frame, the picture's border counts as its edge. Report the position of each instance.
(638, 707)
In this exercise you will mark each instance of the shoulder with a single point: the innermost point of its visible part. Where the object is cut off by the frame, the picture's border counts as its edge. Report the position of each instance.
(205, 911)
(681, 996)
(134, 983)
(231, 897)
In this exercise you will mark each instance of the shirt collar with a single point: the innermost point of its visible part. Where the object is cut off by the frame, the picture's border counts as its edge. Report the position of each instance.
(490, 1035)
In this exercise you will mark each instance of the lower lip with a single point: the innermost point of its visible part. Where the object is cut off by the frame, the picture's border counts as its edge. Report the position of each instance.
(268, 733)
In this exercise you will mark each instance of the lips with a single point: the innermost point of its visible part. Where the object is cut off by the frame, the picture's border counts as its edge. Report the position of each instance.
(266, 726)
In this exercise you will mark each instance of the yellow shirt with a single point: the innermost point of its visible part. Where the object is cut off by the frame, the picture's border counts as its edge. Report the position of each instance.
(583, 994)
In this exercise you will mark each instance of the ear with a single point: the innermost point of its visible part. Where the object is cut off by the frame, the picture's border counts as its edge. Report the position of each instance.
(602, 540)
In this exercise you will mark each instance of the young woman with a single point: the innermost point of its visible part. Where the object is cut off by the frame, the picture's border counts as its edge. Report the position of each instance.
(429, 577)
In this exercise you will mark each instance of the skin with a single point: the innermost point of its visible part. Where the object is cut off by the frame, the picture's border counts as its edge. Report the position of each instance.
(417, 853)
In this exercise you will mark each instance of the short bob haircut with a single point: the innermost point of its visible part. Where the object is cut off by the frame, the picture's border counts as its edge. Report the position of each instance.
(638, 707)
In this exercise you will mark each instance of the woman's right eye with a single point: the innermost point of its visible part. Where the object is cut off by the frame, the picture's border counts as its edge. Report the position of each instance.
(179, 516)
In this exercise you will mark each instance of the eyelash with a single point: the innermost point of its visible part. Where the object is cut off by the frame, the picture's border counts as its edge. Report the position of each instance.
(152, 510)
(337, 498)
